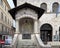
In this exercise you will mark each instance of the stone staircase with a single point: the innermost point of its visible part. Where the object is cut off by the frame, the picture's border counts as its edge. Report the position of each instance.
(26, 44)
(37, 43)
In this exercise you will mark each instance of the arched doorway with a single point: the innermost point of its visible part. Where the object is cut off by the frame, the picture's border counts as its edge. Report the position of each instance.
(46, 33)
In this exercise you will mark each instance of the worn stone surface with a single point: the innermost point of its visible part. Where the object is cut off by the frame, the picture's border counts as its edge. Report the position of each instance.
(49, 17)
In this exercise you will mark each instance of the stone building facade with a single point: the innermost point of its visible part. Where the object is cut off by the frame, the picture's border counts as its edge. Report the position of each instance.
(34, 32)
(6, 21)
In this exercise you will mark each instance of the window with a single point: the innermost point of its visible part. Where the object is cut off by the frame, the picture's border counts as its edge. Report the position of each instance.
(55, 7)
(5, 19)
(59, 33)
(56, 36)
(2, 28)
(8, 21)
(44, 6)
(5, 7)
(3, 37)
(0, 37)
(0, 2)
(1, 15)
(26, 36)
(5, 29)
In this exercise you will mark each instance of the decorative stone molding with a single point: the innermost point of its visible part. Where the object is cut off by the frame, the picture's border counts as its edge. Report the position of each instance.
(26, 13)
(24, 16)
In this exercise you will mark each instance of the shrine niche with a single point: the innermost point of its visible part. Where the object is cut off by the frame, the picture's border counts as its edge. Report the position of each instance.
(26, 25)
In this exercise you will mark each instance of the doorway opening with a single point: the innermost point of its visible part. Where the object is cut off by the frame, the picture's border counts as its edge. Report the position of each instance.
(46, 33)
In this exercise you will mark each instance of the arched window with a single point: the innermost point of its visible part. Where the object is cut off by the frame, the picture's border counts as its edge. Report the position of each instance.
(55, 7)
(44, 6)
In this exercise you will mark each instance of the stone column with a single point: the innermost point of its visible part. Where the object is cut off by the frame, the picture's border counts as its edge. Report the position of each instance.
(35, 26)
(17, 26)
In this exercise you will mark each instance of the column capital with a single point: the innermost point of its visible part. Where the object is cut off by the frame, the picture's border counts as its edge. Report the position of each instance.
(17, 19)
(35, 20)
(17, 32)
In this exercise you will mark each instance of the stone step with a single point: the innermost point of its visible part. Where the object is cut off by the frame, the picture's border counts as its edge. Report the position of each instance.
(28, 46)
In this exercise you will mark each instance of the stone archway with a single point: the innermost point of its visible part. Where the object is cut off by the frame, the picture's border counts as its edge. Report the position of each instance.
(26, 27)
(46, 33)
